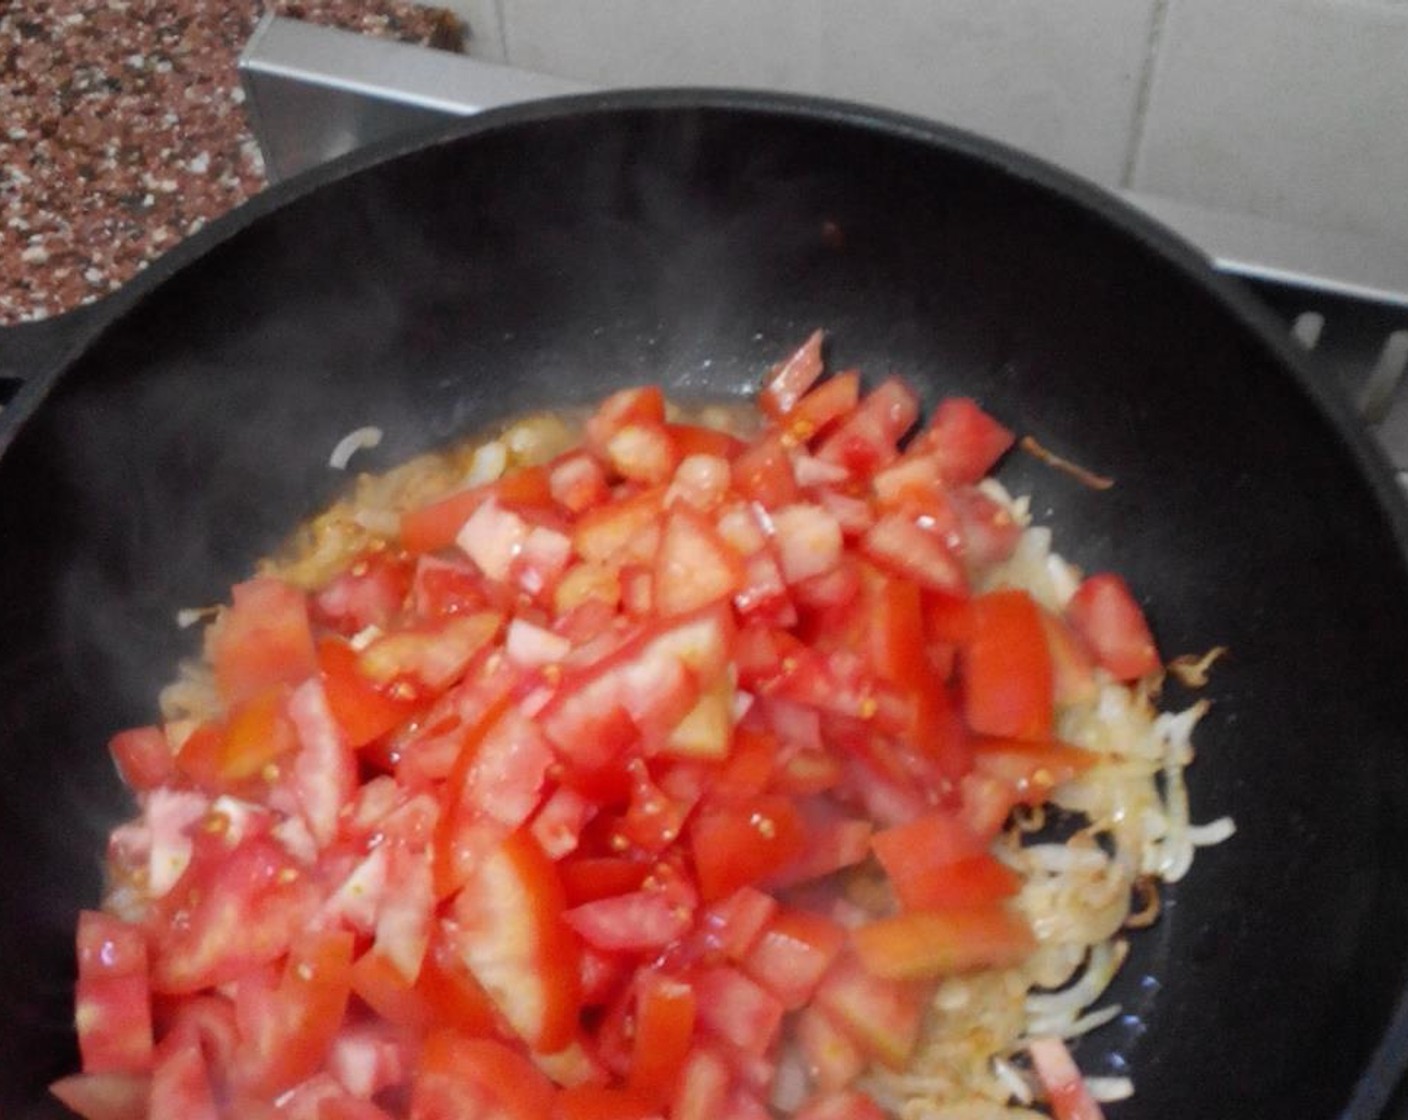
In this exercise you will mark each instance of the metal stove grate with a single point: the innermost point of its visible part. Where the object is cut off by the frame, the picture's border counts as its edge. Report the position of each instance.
(1363, 345)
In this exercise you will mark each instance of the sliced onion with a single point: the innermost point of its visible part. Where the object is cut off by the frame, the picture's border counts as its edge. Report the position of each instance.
(353, 442)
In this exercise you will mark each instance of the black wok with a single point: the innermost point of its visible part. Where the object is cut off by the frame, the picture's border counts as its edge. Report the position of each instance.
(543, 254)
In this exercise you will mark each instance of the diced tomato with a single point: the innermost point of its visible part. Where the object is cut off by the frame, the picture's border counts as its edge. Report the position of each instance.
(201, 758)
(975, 881)
(525, 488)
(882, 1016)
(740, 844)
(811, 472)
(1105, 614)
(738, 1010)
(578, 482)
(104, 1096)
(702, 1093)
(642, 452)
(143, 757)
(351, 1108)
(541, 562)
(371, 592)
(990, 533)
(604, 976)
(540, 827)
(804, 771)
(634, 922)
(694, 567)
(1031, 769)
(869, 437)
(787, 382)
(180, 1086)
(986, 803)
(701, 482)
(585, 586)
(209, 1021)
(822, 406)
(832, 1058)
(262, 639)
(453, 997)
(378, 983)
(666, 1009)
(807, 539)
(603, 532)
(916, 483)
(741, 525)
(965, 439)
(833, 842)
(654, 678)
(367, 1059)
(594, 1102)
(363, 710)
(1072, 666)
(558, 823)
(492, 536)
(855, 515)
(285, 1031)
(1065, 1089)
(922, 945)
(432, 659)
(948, 618)
(763, 593)
(441, 588)
(638, 589)
(743, 1104)
(507, 771)
(794, 952)
(435, 526)
(642, 404)
(763, 474)
(239, 911)
(653, 820)
(706, 730)
(514, 941)
(847, 1105)
(305, 1101)
(459, 1077)
(586, 880)
(914, 852)
(1007, 675)
(899, 545)
(888, 623)
(697, 439)
(257, 733)
(324, 770)
(574, 1065)
(113, 1003)
(733, 925)
(405, 913)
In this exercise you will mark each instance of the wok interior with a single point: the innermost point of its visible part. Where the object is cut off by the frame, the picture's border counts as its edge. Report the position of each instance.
(560, 255)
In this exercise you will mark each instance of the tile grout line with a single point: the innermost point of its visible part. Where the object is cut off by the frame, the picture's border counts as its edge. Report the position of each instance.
(1144, 93)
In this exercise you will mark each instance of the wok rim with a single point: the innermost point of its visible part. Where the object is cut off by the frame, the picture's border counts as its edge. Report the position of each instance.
(1382, 1073)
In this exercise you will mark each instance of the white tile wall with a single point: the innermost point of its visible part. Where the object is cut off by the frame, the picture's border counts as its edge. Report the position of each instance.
(1288, 109)
(1057, 77)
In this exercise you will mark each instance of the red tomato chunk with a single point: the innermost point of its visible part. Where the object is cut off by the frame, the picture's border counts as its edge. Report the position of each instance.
(541, 808)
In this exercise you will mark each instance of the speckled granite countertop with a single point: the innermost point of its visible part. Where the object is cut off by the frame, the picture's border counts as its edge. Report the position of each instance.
(122, 130)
